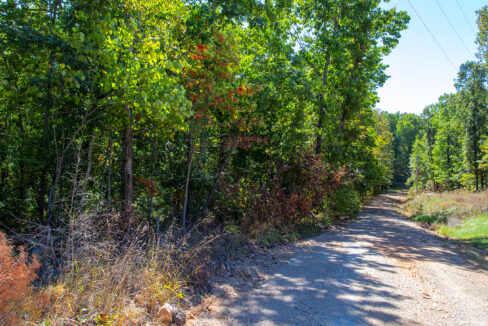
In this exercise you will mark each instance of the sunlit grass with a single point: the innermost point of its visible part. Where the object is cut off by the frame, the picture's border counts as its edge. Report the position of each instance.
(458, 215)
(474, 231)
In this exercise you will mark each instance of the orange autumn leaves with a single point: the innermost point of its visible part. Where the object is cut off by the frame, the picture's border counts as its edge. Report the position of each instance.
(16, 275)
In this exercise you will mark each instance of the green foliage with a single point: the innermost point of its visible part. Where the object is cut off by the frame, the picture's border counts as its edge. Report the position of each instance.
(258, 113)
(450, 151)
(344, 202)
(482, 38)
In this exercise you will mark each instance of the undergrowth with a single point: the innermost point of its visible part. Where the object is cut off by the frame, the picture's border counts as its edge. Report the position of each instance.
(107, 279)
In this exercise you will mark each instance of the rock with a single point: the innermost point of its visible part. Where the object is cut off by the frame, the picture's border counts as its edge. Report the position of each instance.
(179, 317)
(164, 316)
(244, 271)
(169, 314)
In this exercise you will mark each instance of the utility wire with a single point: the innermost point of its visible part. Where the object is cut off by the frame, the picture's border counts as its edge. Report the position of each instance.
(432, 35)
(453, 28)
(465, 17)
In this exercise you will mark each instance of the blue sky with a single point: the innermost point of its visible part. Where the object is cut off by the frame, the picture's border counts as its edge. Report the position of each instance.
(419, 71)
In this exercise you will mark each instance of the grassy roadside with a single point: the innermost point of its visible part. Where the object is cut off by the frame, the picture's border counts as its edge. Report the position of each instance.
(473, 231)
(458, 215)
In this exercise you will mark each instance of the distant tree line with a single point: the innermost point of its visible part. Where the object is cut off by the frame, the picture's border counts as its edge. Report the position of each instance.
(451, 150)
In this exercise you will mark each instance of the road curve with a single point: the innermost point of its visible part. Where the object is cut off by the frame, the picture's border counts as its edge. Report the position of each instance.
(380, 269)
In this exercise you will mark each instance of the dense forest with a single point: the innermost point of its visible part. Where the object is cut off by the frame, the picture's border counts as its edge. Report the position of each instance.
(176, 116)
(253, 113)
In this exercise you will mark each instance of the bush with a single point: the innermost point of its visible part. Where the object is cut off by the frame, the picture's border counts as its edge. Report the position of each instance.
(295, 193)
(345, 201)
(16, 275)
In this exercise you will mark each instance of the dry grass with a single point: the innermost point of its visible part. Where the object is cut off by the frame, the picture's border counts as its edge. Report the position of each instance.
(115, 280)
(452, 206)
(16, 274)
(459, 215)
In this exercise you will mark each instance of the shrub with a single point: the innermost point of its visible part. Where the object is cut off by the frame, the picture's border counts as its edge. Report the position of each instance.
(16, 275)
(345, 201)
(294, 193)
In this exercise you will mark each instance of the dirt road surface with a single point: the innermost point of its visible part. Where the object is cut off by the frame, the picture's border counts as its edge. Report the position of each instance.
(380, 269)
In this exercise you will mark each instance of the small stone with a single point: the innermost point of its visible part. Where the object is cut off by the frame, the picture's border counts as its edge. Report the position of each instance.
(164, 316)
(179, 317)
(244, 271)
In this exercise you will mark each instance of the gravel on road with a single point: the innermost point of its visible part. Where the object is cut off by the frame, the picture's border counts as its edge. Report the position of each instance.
(380, 269)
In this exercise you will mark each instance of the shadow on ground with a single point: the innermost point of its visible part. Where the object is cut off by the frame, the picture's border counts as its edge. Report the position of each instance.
(340, 277)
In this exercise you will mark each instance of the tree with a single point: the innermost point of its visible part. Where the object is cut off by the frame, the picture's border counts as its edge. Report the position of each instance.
(471, 84)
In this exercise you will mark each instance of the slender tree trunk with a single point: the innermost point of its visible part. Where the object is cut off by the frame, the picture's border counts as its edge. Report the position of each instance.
(342, 124)
(217, 178)
(448, 158)
(325, 74)
(22, 195)
(105, 167)
(127, 170)
(476, 167)
(151, 200)
(187, 180)
(482, 177)
(87, 174)
(417, 174)
(59, 168)
(41, 203)
(109, 176)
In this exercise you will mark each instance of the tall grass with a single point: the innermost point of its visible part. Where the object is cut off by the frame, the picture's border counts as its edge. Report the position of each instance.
(455, 206)
(114, 278)
(459, 214)
(473, 231)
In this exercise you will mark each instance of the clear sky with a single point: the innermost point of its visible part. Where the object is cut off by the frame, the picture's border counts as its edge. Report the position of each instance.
(419, 71)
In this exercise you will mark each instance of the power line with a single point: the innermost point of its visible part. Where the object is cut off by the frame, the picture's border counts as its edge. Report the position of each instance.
(465, 17)
(453, 28)
(432, 35)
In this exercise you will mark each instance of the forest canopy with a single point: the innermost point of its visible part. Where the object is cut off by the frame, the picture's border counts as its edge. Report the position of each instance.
(172, 110)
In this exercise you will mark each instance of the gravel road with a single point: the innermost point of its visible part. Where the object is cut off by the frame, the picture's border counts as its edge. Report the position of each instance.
(380, 269)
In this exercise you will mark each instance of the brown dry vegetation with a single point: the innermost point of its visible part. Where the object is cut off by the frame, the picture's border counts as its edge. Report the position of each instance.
(108, 280)
(452, 206)
(16, 274)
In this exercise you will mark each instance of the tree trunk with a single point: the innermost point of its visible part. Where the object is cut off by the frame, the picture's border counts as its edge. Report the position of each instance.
(325, 74)
(127, 170)
(109, 176)
(87, 174)
(41, 203)
(151, 200)
(217, 178)
(104, 170)
(448, 158)
(482, 176)
(417, 174)
(22, 194)
(187, 180)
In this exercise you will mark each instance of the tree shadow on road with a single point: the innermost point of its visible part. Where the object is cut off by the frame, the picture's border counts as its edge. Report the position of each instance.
(319, 283)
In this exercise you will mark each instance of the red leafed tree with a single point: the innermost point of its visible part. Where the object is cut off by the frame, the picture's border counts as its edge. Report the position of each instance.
(221, 103)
